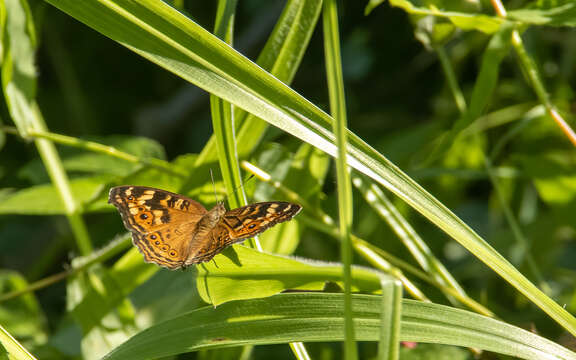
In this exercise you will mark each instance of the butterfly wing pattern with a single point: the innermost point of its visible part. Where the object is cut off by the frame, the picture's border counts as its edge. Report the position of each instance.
(224, 228)
(160, 222)
(174, 231)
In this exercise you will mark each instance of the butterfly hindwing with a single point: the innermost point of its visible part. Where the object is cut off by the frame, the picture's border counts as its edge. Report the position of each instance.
(236, 225)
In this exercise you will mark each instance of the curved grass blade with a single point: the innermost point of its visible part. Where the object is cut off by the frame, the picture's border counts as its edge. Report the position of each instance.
(318, 317)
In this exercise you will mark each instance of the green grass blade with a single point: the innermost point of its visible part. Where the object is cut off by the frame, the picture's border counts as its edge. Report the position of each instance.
(15, 350)
(223, 117)
(317, 317)
(345, 210)
(223, 122)
(390, 322)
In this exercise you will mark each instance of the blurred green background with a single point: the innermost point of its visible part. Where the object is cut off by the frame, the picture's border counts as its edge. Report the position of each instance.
(398, 101)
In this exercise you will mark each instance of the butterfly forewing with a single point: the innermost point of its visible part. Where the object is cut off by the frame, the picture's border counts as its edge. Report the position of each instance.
(143, 208)
(161, 222)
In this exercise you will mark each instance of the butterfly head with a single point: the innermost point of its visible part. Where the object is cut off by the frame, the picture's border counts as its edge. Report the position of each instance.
(216, 213)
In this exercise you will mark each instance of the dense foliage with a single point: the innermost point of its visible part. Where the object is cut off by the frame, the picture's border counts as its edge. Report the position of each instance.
(464, 189)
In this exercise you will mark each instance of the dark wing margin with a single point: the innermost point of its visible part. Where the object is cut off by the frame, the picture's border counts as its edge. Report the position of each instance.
(248, 221)
(151, 252)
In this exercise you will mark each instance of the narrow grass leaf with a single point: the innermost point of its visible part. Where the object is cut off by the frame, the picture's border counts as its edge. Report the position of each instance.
(11, 348)
(344, 187)
(498, 48)
(312, 317)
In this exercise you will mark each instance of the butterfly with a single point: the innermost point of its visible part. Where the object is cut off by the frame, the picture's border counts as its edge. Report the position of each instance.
(174, 231)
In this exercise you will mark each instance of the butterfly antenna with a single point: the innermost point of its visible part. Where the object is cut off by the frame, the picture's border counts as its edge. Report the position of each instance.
(241, 186)
(242, 183)
(213, 185)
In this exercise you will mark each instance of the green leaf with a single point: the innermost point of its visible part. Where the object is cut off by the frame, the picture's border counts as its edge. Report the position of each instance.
(276, 160)
(18, 63)
(564, 15)
(45, 200)
(464, 21)
(3, 353)
(555, 180)
(88, 295)
(159, 178)
(91, 303)
(498, 49)
(281, 56)
(312, 317)
(243, 273)
(22, 317)
(282, 239)
(165, 295)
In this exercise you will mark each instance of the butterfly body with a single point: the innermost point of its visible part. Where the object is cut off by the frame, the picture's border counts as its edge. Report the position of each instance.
(174, 231)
